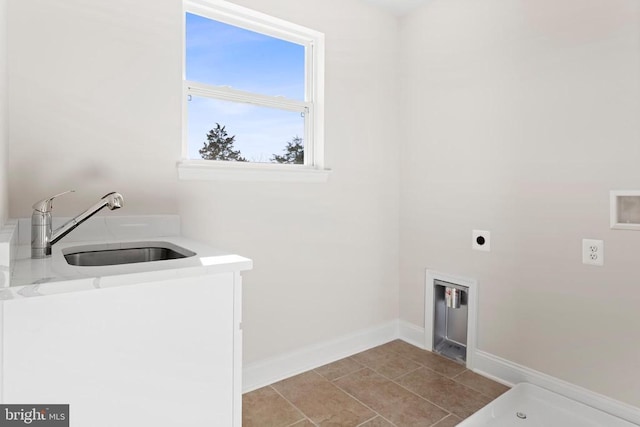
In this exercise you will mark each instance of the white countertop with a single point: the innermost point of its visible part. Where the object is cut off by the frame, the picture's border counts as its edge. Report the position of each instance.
(53, 275)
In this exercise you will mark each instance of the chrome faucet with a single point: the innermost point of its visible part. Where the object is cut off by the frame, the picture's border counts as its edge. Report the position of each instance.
(42, 236)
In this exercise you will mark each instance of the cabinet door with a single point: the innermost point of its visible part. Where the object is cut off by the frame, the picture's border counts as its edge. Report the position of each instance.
(155, 354)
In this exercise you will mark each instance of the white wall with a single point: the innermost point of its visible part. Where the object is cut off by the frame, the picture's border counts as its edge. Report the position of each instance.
(520, 117)
(4, 127)
(95, 102)
(326, 255)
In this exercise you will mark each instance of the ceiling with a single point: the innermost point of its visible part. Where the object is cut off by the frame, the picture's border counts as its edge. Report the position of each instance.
(398, 7)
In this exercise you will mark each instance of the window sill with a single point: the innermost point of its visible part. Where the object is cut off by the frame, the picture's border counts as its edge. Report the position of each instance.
(207, 170)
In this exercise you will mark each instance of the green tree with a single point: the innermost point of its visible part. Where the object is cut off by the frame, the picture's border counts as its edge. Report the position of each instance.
(219, 146)
(293, 152)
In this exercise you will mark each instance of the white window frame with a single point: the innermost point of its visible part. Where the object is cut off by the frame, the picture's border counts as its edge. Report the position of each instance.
(313, 169)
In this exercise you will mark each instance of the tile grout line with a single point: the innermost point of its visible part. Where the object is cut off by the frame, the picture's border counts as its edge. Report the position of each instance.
(304, 416)
(403, 375)
(453, 378)
(299, 421)
(371, 419)
(376, 414)
(422, 397)
(420, 366)
(472, 388)
(439, 421)
(366, 406)
(362, 366)
(366, 366)
(359, 401)
(448, 413)
(444, 376)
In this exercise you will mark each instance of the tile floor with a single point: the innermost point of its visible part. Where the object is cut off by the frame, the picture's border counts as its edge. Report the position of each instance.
(395, 384)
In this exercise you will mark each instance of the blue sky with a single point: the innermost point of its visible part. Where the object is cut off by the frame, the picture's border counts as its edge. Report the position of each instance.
(224, 55)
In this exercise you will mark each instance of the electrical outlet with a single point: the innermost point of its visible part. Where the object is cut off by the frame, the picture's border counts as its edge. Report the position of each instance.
(481, 240)
(592, 252)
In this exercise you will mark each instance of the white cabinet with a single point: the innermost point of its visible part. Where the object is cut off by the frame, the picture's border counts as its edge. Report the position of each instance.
(165, 353)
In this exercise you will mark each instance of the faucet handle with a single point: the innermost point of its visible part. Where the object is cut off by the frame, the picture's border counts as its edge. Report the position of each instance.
(45, 205)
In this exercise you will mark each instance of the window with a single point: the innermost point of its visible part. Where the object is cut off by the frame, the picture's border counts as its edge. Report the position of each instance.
(252, 92)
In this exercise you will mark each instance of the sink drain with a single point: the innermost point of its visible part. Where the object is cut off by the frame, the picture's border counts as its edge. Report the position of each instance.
(521, 415)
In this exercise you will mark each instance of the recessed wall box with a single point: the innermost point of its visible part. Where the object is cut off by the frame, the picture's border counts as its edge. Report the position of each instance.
(625, 210)
(451, 317)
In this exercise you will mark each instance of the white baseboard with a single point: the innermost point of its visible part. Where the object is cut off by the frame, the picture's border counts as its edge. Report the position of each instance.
(262, 373)
(510, 373)
(411, 333)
